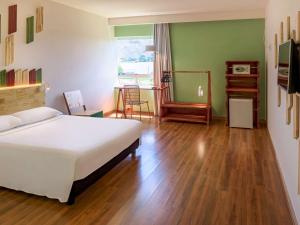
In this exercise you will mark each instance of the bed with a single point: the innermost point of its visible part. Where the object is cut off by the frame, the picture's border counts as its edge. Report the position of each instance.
(61, 156)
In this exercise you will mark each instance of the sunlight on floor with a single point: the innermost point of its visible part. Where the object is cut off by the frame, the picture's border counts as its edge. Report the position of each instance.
(201, 150)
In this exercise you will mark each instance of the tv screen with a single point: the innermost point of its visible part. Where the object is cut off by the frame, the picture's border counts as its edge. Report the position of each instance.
(288, 67)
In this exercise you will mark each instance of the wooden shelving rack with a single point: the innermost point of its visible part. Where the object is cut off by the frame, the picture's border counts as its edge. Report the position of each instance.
(187, 112)
(243, 86)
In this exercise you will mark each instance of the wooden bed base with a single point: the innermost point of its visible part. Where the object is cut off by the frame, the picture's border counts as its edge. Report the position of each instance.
(80, 185)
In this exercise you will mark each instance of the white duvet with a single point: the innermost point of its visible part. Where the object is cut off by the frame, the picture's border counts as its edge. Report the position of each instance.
(45, 158)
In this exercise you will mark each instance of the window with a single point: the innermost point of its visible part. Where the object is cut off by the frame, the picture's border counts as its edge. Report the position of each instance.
(135, 64)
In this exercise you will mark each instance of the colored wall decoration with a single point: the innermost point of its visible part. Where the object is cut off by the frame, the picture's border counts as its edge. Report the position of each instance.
(9, 50)
(10, 78)
(18, 77)
(2, 78)
(12, 19)
(32, 76)
(39, 76)
(9, 41)
(0, 29)
(29, 29)
(39, 19)
(25, 77)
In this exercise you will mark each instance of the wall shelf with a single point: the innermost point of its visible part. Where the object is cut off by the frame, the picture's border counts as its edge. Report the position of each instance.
(20, 87)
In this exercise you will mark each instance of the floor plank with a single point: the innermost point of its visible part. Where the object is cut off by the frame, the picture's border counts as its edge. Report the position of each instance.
(183, 174)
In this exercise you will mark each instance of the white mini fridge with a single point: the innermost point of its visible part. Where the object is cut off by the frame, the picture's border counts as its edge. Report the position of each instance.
(241, 113)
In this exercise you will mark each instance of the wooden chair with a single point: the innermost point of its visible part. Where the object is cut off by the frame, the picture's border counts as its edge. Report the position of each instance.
(132, 97)
(76, 106)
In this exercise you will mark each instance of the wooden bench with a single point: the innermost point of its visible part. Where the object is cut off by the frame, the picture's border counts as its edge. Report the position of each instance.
(188, 112)
(183, 111)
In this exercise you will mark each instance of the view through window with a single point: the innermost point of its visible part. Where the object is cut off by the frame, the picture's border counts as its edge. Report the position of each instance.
(135, 62)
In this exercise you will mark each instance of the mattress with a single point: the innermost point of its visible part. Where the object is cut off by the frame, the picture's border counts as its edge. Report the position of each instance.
(45, 158)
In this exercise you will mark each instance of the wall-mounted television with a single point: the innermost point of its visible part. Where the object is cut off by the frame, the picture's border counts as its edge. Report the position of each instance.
(288, 67)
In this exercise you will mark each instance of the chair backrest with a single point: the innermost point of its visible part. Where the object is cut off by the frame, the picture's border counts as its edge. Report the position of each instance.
(132, 93)
(74, 101)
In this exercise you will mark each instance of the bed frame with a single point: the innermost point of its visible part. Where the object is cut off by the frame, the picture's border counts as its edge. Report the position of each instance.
(80, 185)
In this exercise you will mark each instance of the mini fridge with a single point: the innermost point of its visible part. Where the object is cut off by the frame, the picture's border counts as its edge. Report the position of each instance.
(241, 113)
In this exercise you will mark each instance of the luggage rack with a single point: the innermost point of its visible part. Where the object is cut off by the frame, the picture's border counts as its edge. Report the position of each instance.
(185, 111)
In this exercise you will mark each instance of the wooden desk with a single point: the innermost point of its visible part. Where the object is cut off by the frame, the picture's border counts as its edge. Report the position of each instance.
(121, 95)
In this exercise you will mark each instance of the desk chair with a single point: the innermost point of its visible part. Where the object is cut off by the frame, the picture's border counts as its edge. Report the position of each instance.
(76, 106)
(132, 98)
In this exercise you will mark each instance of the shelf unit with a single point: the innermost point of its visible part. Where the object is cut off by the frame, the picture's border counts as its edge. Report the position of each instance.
(243, 86)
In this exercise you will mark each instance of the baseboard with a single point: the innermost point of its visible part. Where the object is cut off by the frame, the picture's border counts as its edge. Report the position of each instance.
(135, 113)
(261, 121)
(290, 206)
(219, 118)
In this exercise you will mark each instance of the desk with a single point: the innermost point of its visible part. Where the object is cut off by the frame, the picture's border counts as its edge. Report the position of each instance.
(121, 95)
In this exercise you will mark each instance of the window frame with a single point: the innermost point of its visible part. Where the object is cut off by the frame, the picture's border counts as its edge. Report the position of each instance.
(134, 76)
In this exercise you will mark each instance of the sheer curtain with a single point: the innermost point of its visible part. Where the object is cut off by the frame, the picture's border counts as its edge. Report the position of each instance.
(162, 60)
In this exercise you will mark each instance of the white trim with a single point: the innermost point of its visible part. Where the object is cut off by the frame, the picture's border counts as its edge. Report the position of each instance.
(289, 201)
(188, 17)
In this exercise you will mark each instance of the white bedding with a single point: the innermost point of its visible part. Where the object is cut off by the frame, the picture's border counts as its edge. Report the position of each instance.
(45, 158)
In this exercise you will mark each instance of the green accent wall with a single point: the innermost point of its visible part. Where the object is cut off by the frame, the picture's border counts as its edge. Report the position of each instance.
(207, 45)
(134, 30)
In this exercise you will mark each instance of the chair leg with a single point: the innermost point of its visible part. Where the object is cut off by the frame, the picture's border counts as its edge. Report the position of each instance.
(149, 111)
(131, 110)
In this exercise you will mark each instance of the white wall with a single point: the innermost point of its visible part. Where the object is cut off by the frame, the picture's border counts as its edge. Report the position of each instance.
(282, 134)
(75, 51)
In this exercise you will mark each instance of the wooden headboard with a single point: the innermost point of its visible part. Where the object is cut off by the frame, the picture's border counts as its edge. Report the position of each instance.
(14, 99)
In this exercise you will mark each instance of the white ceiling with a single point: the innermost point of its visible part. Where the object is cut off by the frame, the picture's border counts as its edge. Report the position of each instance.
(128, 8)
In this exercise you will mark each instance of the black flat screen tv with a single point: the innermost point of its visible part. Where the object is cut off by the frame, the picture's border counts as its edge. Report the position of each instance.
(288, 67)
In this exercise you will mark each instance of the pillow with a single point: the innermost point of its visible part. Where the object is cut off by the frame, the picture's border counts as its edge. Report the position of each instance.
(36, 115)
(9, 122)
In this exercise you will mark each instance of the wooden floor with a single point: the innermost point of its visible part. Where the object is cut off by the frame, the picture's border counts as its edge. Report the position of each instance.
(183, 174)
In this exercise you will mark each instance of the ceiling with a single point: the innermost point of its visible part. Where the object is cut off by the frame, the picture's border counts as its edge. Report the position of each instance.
(128, 8)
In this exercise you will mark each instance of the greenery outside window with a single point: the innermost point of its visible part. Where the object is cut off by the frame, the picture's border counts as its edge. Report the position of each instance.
(135, 64)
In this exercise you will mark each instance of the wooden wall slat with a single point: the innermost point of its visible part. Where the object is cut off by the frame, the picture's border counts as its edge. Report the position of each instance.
(288, 28)
(281, 33)
(30, 29)
(12, 19)
(39, 20)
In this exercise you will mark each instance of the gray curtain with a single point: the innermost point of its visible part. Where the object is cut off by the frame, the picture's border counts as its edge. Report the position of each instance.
(163, 59)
